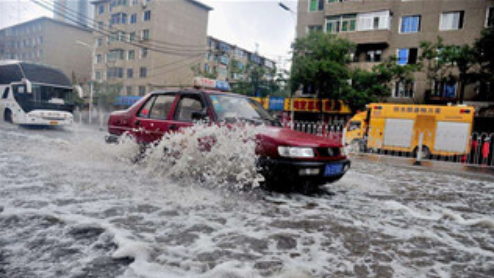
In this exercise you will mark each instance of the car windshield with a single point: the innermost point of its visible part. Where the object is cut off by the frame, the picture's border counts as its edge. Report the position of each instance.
(233, 108)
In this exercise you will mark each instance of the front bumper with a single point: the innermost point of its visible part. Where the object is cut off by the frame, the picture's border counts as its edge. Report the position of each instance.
(307, 171)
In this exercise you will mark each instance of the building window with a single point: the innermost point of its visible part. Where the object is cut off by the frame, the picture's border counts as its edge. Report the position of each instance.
(100, 25)
(99, 59)
(142, 90)
(316, 5)
(147, 15)
(114, 72)
(144, 53)
(101, 9)
(445, 89)
(118, 18)
(314, 28)
(410, 24)
(343, 23)
(132, 37)
(373, 56)
(224, 60)
(133, 19)
(404, 90)
(145, 35)
(374, 21)
(131, 55)
(407, 56)
(128, 90)
(130, 73)
(98, 75)
(143, 72)
(452, 21)
(490, 17)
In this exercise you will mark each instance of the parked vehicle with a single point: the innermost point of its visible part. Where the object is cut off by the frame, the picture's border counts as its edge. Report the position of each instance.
(33, 94)
(286, 158)
(445, 130)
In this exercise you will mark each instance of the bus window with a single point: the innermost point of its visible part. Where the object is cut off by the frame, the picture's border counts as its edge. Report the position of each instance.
(6, 93)
(354, 126)
(19, 89)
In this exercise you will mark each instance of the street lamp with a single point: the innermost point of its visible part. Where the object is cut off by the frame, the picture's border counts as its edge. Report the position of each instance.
(93, 51)
(292, 13)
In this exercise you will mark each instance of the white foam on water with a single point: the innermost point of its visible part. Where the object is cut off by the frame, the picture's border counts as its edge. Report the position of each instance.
(216, 155)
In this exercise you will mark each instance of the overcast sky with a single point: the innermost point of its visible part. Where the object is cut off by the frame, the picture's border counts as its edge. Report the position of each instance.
(241, 22)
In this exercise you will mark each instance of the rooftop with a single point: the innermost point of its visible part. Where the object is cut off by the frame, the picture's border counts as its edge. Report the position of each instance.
(197, 3)
(44, 18)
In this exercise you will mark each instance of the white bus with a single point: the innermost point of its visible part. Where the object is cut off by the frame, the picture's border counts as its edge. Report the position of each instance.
(34, 94)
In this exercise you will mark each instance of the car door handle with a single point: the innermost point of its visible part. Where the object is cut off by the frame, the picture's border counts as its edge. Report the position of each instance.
(174, 127)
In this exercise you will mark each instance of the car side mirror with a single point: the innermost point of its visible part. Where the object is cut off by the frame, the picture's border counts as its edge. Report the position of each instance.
(200, 116)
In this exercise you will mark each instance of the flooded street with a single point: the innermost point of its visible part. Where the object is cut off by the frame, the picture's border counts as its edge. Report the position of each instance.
(73, 206)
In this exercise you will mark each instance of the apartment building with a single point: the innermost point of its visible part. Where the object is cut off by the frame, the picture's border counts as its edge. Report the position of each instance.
(50, 42)
(383, 28)
(228, 61)
(144, 45)
(80, 10)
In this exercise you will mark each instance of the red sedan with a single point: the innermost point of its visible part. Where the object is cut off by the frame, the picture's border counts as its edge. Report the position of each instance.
(286, 158)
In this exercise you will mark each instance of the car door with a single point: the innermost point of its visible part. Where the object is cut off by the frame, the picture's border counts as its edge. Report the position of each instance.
(187, 104)
(153, 119)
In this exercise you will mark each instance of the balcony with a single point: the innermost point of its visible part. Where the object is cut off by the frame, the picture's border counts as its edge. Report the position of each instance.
(367, 37)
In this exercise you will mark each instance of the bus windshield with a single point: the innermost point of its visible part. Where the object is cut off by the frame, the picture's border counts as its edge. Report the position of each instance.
(233, 108)
(53, 95)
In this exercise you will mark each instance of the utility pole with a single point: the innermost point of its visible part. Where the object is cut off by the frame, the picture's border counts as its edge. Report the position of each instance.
(91, 85)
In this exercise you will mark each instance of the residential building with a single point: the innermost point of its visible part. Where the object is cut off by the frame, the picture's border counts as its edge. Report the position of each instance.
(384, 28)
(228, 61)
(144, 45)
(50, 42)
(78, 12)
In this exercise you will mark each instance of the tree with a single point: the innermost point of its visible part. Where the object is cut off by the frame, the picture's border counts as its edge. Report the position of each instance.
(484, 53)
(198, 71)
(372, 86)
(106, 93)
(255, 80)
(320, 64)
(448, 64)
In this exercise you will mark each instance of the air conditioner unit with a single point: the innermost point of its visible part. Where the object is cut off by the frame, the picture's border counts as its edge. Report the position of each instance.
(144, 3)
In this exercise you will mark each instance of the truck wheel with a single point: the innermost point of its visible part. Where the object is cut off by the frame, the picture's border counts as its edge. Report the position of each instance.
(7, 116)
(426, 153)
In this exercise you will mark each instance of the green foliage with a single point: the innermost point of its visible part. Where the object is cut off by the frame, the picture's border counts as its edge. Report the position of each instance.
(449, 64)
(105, 94)
(485, 56)
(258, 80)
(198, 71)
(320, 63)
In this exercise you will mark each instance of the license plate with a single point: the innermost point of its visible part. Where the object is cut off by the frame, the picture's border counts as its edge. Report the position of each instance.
(53, 123)
(333, 170)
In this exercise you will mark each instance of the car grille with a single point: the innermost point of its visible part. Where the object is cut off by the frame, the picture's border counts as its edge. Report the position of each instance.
(328, 152)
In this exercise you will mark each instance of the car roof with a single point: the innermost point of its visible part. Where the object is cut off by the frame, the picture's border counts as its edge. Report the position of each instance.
(195, 90)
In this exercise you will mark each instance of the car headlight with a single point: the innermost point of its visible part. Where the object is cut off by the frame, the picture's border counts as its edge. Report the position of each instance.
(295, 152)
(342, 151)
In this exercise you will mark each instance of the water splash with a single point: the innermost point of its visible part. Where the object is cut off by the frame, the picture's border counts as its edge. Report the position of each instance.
(215, 155)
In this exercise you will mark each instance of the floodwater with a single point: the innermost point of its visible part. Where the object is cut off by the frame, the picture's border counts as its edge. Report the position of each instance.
(72, 206)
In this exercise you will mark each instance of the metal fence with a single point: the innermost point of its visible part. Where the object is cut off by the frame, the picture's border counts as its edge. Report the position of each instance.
(455, 147)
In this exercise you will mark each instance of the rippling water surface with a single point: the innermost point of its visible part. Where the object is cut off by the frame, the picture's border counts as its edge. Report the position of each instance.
(72, 206)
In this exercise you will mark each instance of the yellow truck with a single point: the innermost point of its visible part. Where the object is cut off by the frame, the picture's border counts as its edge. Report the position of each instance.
(445, 130)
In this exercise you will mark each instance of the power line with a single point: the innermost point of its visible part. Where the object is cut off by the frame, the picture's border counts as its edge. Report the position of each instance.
(77, 15)
(125, 42)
